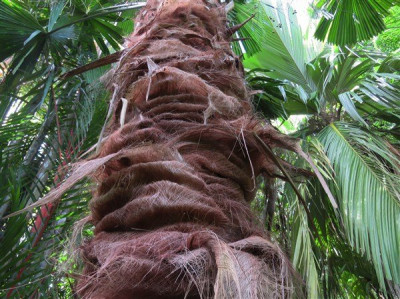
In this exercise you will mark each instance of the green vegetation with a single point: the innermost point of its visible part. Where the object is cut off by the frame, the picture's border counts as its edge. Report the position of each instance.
(389, 40)
(341, 98)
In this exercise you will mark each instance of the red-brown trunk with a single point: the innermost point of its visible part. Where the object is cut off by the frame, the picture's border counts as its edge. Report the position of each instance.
(171, 213)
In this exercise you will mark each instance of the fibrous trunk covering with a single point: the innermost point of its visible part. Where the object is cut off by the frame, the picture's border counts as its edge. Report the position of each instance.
(171, 212)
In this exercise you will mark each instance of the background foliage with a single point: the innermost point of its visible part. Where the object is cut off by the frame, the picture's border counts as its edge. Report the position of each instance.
(335, 87)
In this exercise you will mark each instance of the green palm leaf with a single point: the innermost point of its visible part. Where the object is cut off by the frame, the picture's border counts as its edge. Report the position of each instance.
(279, 36)
(303, 257)
(16, 26)
(276, 98)
(350, 81)
(350, 21)
(368, 179)
(80, 118)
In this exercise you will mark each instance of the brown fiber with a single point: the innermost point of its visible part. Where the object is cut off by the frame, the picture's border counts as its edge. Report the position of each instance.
(172, 210)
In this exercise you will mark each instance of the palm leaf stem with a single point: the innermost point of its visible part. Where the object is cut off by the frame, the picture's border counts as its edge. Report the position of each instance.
(109, 59)
(268, 151)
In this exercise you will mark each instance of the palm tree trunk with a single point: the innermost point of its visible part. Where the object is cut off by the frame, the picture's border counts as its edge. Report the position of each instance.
(171, 214)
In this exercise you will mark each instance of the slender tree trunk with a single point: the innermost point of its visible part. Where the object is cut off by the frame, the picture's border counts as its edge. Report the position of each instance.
(270, 193)
(171, 212)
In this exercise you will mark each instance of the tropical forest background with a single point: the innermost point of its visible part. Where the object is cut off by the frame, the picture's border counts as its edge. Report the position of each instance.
(326, 72)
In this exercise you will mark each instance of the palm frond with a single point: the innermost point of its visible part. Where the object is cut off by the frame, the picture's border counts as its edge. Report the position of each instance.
(276, 30)
(276, 98)
(368, 178)
(34, 148)
(347, 22)
(352, 81)
(303, 257)
(16, 26)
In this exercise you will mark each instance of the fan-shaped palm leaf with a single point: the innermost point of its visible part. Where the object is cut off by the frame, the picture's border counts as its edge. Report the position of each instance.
(350, 21)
